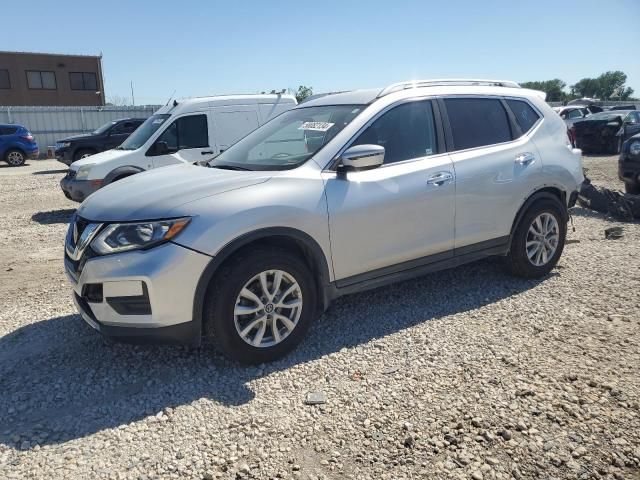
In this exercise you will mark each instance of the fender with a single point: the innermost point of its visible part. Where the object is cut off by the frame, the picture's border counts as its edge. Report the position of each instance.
(120, 171)
(534, 197)
(312, 250)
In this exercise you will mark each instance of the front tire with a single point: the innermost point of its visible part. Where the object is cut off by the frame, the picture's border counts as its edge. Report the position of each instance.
(260, 305)
(538, 240)
(15, 158)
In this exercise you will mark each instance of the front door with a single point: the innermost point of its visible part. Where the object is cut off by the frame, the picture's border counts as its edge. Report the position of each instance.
(395, 216)
(186, 139)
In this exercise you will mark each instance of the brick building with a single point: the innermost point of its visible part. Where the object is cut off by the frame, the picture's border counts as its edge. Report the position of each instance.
(45, 79)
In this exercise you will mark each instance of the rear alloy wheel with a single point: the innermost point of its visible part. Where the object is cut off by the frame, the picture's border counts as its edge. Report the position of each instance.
(260, 304)
(538, 240)
(15, 158)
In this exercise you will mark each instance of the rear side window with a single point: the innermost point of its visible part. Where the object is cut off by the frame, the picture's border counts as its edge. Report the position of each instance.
(8, 130)
(526, 116)
(406, 132)
(476, 122)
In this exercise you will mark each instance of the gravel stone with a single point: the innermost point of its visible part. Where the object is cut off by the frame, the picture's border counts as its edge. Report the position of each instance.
(448, 360)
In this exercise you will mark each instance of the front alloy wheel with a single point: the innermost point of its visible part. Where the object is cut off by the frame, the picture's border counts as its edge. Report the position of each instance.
(268, 308)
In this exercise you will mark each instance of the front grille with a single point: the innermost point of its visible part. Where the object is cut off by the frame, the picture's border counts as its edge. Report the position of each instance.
(76, 228)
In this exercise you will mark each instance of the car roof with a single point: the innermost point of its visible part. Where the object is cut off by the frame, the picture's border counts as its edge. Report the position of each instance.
(11, 125)
(365, 97)
(197, 103)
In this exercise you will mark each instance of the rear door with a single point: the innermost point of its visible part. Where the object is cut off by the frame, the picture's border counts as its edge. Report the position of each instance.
(187, 139)
(496, 165)
(232, 123)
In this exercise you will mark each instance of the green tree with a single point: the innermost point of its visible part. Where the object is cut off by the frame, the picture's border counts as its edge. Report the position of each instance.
(608, 86)
(553, 88)
(303, 92)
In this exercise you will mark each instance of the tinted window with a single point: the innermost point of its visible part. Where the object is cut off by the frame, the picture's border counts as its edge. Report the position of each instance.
(187, 132)
(571, 114)
(476, 122)
(124, 128)
(83, 81)
(526, 116)
(406, 131)
(41, 80)
(8, 130)
(4, 79)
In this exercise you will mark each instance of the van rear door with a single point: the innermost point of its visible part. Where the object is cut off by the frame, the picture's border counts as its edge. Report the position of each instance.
(231, 123)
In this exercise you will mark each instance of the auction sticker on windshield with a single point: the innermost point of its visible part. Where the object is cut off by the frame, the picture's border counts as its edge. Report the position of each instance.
(317, 126)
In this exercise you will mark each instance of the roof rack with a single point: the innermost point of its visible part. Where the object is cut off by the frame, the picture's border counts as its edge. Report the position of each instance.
(445, 81)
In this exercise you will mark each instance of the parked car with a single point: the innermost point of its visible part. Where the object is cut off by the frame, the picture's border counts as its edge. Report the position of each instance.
(16, 144)
(622, 107)
(108, 136)
(341, 194)
(182, 132)
(629, 165)
(605, 132)
(572, 113)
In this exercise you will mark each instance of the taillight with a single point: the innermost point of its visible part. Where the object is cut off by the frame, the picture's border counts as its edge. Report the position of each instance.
(28, 138)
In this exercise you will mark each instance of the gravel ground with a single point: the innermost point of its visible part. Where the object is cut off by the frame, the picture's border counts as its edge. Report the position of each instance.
(467, 373)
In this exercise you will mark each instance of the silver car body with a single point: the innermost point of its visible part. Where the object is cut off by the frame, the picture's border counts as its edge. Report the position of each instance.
(362, 231)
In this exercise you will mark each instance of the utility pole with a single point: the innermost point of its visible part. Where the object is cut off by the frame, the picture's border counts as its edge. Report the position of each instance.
(133, 99)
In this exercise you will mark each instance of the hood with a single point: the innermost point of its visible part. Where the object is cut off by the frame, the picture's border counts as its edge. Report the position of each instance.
(100, 157)
(158, 193)
(76, 137)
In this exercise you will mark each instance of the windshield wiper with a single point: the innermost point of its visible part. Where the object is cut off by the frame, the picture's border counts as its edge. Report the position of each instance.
(230, 167)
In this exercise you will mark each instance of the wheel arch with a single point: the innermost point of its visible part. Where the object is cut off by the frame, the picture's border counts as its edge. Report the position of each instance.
(119, 172)
(296, 240)
(549, 192)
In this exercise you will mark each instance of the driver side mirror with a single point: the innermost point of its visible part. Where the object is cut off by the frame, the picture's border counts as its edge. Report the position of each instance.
(161, 148)
(361, 157)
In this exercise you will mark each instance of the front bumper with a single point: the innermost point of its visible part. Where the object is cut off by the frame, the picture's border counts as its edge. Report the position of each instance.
(142, 296)
(629, 168)
(64, 155)
(78, 190)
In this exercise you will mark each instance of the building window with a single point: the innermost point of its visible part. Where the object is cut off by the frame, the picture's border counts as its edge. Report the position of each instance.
(4, 79)
(83, 81)
(41, 80)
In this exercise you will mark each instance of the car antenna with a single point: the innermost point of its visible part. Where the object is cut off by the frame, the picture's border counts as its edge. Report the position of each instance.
(170, 97)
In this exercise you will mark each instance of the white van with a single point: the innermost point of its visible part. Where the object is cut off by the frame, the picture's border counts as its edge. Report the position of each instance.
(183, 131)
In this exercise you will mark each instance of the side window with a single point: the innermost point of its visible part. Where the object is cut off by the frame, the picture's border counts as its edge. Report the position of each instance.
(8, 130)
(186, 132)
(477, 122)
(571, 114)
(124, 128)
(406, 131)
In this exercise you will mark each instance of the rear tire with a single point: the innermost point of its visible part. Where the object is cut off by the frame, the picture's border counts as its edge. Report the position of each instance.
(632, 188)
(230, 328)
(83, 153)
(15, 158)
(536, 249)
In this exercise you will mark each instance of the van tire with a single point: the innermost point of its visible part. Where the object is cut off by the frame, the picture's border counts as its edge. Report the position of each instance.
(518, 261)
(219, 319)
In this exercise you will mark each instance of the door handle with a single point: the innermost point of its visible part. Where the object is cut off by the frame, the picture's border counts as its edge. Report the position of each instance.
(206, 152)
(526, 158)
(439, 179)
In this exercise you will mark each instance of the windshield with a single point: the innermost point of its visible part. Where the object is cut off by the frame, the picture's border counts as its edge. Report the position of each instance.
(288, 140)
(141, 134)
(103, 128)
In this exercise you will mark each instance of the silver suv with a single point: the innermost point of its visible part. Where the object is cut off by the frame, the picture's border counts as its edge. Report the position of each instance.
(345, 192)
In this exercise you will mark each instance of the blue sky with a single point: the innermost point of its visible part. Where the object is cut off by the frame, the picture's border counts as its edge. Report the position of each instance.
(213, 47)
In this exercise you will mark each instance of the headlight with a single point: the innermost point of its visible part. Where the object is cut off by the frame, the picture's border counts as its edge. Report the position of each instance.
(83, 171)
(65, 144)
(634, 148)
(120, 237)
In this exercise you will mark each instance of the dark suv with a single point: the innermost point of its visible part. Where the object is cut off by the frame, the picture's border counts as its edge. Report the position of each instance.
(629, 165)
(108, 136)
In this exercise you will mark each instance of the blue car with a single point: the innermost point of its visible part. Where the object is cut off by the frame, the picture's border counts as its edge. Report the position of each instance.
(16, 144)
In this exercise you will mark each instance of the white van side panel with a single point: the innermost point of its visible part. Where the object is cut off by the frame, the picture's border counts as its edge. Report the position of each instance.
(232, 123)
